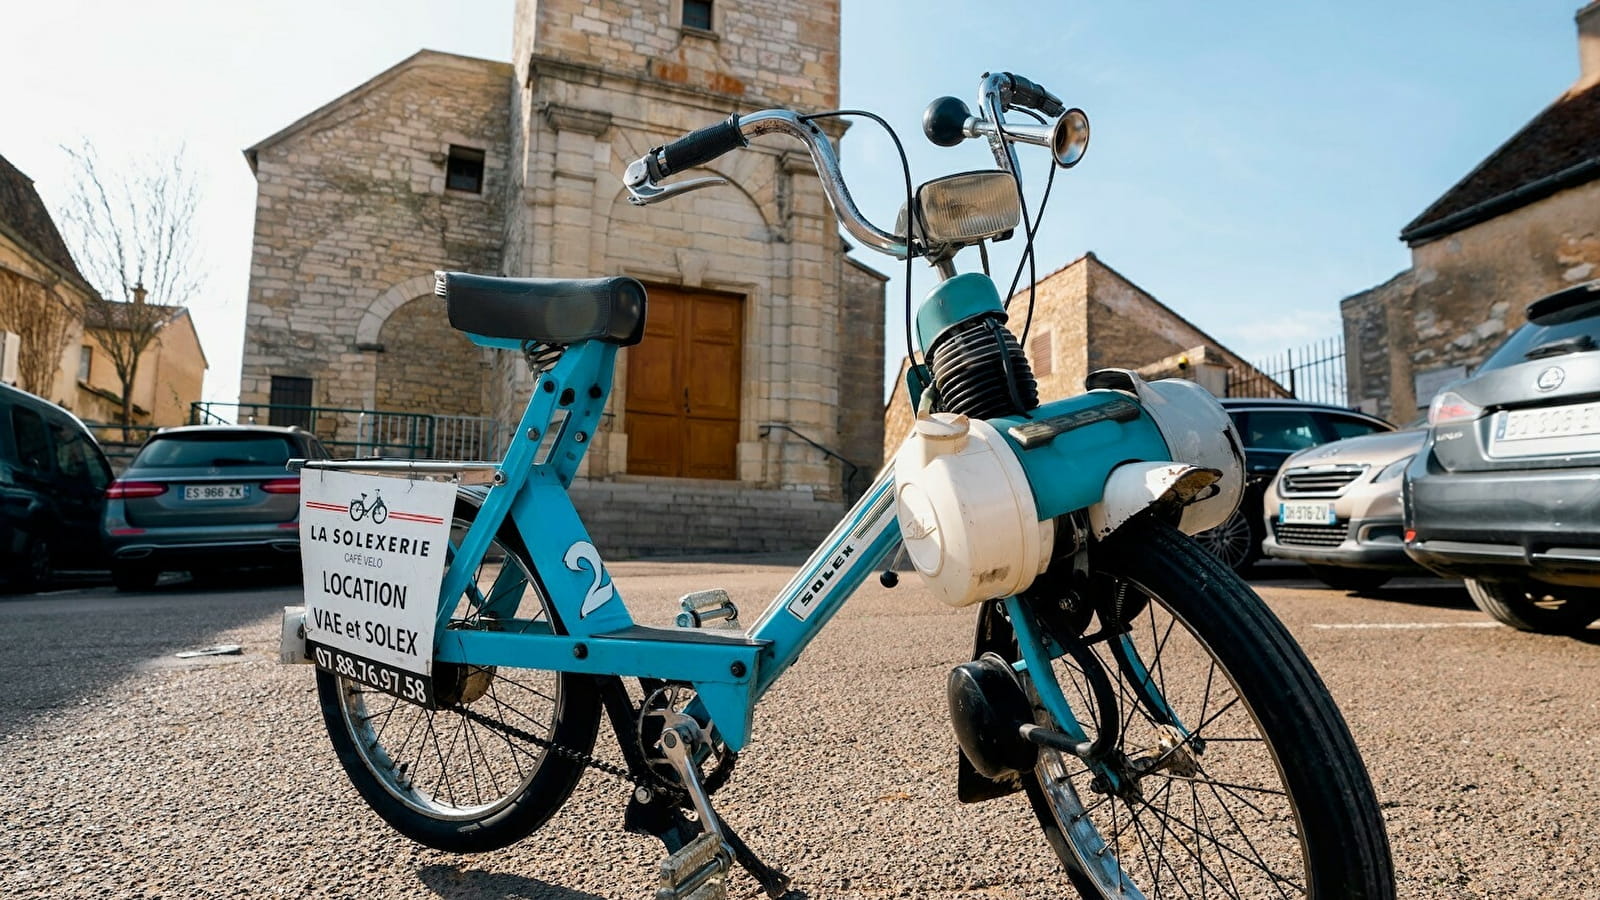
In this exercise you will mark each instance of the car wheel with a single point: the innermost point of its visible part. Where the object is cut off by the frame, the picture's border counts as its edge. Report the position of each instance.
(1235, 541)
(1356, 581)
(1528, 606)
(133, 578)
(36, 569)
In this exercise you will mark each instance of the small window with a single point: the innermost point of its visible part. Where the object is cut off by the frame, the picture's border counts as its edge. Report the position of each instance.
(1041, 354)
(464, 171)
(697, 14)
(288, 401)
(85, 361)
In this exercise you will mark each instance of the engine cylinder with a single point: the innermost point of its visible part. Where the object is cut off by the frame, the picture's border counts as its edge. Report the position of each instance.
(980, 370)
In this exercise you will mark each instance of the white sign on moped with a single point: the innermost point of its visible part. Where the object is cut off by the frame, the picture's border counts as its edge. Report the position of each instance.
(373, 552)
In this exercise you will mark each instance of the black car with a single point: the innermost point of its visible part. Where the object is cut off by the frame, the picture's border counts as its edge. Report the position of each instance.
(1272, 431)
(207, 497)
(53, 481)
(1506, 490)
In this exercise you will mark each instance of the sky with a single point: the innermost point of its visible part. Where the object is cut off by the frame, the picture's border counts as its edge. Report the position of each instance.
(1250, 165)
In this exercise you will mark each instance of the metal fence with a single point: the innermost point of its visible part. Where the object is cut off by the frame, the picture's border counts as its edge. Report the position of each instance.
(119, 442)
(1314, 372)
(370, 432)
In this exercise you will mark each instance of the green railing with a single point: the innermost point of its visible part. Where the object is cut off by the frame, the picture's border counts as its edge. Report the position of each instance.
(354, 432)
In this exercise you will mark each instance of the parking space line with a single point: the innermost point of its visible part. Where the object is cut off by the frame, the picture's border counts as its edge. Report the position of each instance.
(1402, 626)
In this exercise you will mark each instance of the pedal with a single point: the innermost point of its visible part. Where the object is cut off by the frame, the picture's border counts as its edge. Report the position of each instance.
(701, 607)
(698, 871)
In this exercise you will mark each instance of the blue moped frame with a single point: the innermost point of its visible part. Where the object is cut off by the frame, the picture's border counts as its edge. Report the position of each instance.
(730, 671)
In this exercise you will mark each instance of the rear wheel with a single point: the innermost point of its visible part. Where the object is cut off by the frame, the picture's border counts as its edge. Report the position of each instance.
(1235, 775)
(1356, 581)
(466, 778)
(1530, 606)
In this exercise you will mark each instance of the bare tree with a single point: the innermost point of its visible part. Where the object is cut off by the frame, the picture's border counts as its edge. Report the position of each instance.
(42, 317)
(132, 234)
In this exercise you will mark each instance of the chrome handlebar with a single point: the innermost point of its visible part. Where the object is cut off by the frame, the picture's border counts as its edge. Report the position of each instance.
(998, 92)
(640, 177)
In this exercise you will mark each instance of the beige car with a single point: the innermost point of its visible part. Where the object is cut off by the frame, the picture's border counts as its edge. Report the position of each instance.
(1337, 508)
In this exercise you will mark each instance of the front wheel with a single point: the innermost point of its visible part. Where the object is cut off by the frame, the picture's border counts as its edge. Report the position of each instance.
(1234, 774)
(466, 778)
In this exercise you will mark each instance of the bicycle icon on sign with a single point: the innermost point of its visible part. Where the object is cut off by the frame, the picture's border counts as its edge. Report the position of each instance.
(378, 511)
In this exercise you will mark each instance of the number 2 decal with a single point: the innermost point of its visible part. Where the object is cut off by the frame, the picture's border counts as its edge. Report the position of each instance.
(583, 555)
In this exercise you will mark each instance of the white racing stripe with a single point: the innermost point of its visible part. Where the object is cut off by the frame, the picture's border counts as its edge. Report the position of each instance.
(1401, 626)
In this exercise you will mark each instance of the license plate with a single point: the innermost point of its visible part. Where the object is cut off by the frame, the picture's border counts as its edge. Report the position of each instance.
(1306, 514)
(215, 492)
(1547, 431)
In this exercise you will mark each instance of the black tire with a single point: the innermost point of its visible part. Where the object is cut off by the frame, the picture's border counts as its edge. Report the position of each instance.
(37, 571)
(469, 783)
(129, 577)
(1237, 542)
(1297, 794)
(1530, 606)
(1356, 581)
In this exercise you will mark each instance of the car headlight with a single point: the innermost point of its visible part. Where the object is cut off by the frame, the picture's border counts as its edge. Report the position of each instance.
(1393, 470)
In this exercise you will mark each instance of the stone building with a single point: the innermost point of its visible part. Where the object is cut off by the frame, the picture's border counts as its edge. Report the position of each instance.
(170, 377)
(760, 328)
(42, 295)
(50, 319)
(1089, 316)
(1523, 223)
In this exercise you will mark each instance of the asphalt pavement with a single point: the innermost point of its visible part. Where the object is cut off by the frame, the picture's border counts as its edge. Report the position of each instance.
(125, 771)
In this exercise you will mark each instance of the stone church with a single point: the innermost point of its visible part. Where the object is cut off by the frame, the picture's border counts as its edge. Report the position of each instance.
(742, 419)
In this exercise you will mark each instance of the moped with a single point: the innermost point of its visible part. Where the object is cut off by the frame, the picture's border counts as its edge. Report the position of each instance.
(1166, 730)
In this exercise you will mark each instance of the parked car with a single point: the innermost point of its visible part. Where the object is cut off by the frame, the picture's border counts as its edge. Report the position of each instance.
(53, 481)
(1337, 508)
(1506, 491)
(1272, 430)
(205, 497)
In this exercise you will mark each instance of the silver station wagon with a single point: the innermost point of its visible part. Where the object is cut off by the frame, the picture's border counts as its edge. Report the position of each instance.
(207, 497)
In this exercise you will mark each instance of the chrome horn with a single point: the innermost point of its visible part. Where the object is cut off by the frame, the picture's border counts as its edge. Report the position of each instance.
(947, 122)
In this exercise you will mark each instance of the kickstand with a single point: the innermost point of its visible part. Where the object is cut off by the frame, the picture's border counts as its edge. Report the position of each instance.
(774, 882)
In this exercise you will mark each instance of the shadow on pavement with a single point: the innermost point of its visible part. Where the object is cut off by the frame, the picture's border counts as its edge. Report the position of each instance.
(449, 881)
(1436, 594)
(66, 647)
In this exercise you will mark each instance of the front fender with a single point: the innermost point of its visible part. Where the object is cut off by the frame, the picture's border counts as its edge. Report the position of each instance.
(1135, 487)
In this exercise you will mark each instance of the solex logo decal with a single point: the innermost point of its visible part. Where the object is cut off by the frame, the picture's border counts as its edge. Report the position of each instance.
(1550, 378)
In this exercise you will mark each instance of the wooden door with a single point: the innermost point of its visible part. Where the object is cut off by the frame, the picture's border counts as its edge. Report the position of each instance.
(683, 386)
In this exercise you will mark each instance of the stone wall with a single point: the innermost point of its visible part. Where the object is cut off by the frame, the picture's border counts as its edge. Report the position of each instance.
(352, 217)
(1087, 316)
(861, 339)
(598, 91)
(1463, 295)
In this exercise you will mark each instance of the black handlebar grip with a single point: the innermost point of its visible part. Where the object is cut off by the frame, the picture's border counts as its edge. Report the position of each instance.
(1034, 96)
(700, 147)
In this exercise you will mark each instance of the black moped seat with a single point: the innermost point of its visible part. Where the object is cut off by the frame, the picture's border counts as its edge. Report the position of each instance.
(545, 310)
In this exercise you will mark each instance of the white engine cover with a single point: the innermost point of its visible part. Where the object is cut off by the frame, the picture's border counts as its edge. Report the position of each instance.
(967, 515)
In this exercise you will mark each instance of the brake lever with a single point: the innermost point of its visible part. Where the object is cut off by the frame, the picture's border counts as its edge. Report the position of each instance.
(643, 190)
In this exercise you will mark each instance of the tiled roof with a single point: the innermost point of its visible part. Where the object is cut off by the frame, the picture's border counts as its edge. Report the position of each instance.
(1559, 149)
(22, 214)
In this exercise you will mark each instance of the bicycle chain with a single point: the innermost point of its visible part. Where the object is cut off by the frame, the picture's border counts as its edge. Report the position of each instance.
(577, 756)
